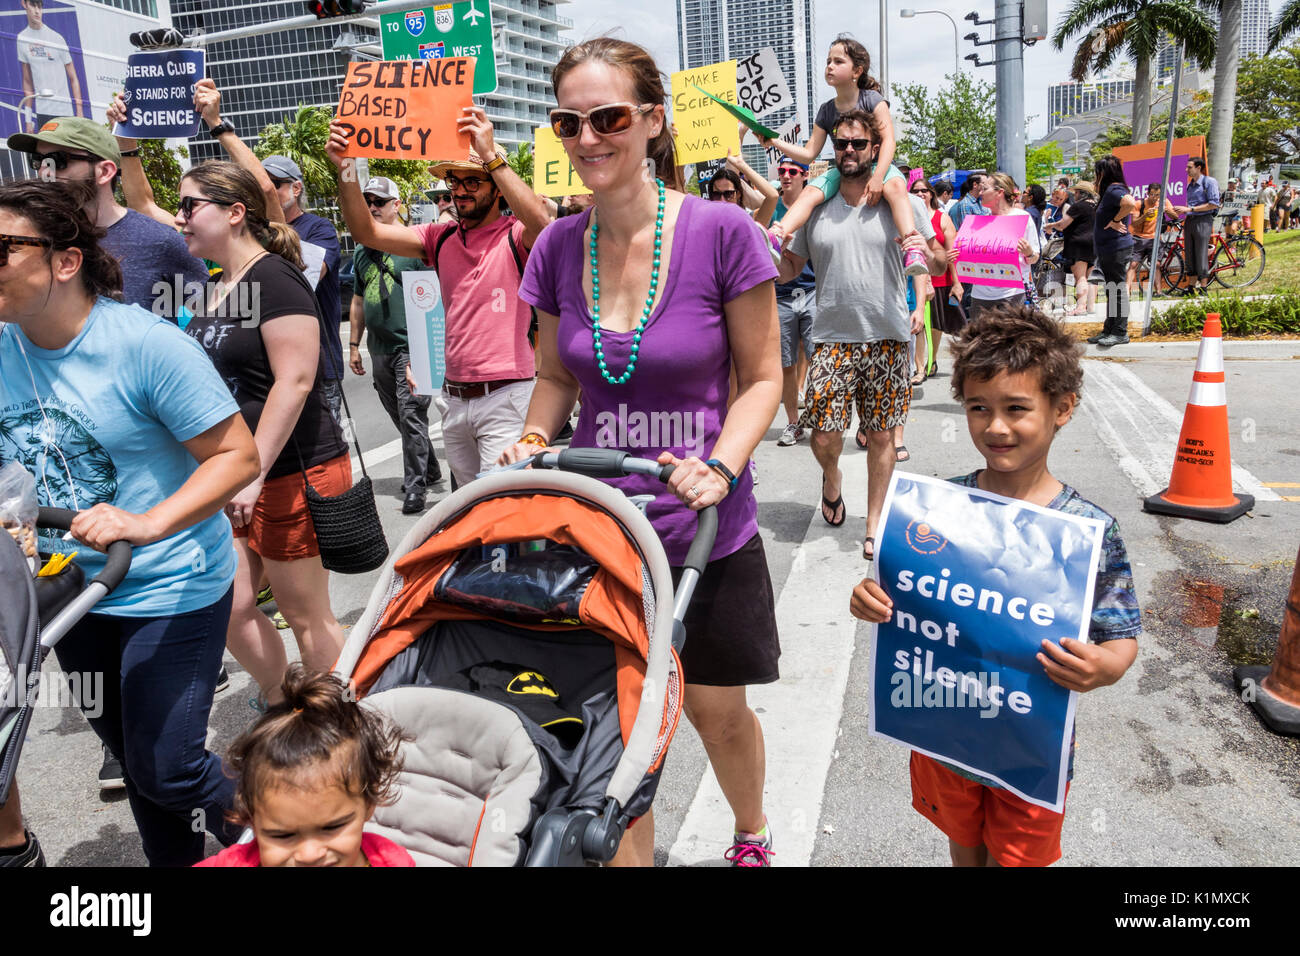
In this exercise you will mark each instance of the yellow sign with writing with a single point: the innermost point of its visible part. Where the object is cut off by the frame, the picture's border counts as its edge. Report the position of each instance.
(704, 129)
(553, 174)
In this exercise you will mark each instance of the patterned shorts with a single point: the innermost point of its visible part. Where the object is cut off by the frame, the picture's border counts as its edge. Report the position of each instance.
(874, 376)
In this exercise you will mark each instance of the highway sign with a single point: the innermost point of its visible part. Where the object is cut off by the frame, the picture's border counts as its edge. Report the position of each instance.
(442, 30)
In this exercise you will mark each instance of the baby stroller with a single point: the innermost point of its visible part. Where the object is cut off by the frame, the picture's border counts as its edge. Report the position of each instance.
(520, 635)
(35, 614)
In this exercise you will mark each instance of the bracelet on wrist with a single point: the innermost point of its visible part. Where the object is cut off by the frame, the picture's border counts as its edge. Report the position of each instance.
(535, 438)
(724, 471)
(127, 153)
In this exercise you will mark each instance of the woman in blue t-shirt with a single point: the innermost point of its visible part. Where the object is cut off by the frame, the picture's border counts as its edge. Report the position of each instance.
(121, 417)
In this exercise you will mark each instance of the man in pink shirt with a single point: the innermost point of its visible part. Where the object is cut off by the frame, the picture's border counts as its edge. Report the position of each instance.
(479, 261)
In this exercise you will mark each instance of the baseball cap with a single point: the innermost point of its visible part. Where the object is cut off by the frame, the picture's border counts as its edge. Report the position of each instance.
(282, 167)
(380, 187)
(78, 132)
(787, 161)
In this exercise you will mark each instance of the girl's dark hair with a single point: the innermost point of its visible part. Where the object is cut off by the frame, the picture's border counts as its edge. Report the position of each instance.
(1017, 338)
(731, 176)
(230, 183)
(57, 211)
(648, 85)
(859, 56)
(318, 735)
(1106, 171)
(1037, 196)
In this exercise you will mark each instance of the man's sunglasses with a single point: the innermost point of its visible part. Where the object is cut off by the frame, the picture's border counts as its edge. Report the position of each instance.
(858, 144)
(59, 158)
(469, 183)
(187, 204)
(604, 120)
(376, 203)
(277, 183)
(8, 241)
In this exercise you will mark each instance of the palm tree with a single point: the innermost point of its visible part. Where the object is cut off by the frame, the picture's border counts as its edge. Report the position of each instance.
(1288, 22)
(1133, 28)
(1226, 61)
(302, 138)
(521, 161)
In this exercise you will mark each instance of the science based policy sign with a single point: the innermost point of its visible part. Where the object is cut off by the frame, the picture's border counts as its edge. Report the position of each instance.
(444, 30)
(405, 109)
(159, 94)
(978, 581)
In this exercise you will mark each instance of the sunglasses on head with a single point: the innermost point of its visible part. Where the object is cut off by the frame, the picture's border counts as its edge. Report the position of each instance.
(858, 144)
(8, 241)
(59, 158)
(376, 203)
(187, 204)
(604, 120)
(469, 183)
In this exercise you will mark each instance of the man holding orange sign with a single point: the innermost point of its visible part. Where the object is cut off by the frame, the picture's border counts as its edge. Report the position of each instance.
(479, 260)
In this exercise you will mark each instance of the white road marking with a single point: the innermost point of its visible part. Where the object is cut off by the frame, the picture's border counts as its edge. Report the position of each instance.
(802, 711)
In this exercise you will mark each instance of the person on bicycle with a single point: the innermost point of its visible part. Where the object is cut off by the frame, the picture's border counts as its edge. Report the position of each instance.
(1202, 201)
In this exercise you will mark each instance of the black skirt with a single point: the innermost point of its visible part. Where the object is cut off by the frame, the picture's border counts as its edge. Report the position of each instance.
(731, 638)
(945, 316)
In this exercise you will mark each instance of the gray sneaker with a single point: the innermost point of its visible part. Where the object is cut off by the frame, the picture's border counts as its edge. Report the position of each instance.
(791, 435)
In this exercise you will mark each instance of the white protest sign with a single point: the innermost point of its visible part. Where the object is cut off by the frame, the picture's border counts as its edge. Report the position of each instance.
(789, 131)
(426, 330)
(313, 260)
(760, 85)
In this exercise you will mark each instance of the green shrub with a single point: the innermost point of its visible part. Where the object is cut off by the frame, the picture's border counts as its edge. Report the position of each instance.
(1269, 315)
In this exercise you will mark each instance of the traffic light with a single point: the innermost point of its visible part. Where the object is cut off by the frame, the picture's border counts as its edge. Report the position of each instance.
(324, 9)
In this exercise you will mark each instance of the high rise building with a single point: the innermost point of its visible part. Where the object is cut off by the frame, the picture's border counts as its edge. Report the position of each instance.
(1070, 99)
(1254, 38)
(712, 30)
(263, 79)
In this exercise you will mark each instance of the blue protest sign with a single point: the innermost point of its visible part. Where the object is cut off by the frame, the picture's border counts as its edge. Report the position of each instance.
(978, 581)
(160, 94)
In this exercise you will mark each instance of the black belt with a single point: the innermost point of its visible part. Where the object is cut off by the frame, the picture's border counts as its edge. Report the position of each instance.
(467, 390)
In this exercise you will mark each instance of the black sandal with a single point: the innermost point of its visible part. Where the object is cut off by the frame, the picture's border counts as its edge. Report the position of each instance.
(869, 541)
(861, 437)
(836, 506)
(901, 453)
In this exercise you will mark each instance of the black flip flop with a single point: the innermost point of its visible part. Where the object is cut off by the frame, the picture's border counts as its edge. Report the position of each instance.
(872, 555)
(901, 453)
(835, 507)
(861, 438)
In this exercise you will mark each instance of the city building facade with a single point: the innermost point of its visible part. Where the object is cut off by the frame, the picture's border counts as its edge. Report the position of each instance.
(1068, 99)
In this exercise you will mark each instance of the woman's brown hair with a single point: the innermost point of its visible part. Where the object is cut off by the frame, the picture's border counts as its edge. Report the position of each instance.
(318, 735)
(57, 210)
(647, 82)
(859, 56)
(228, 183)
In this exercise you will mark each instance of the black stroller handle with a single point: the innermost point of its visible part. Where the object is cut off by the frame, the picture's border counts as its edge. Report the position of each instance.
(119, 552)
(612, 463)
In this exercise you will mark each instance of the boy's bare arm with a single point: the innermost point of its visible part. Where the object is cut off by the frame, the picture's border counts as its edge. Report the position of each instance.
(1084, 667)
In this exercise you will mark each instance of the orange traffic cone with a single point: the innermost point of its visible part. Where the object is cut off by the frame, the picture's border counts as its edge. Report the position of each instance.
(1274, 691)
(1201, 483)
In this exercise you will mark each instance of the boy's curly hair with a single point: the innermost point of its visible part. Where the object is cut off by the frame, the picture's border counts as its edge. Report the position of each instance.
(318, 735)
(1017, 338)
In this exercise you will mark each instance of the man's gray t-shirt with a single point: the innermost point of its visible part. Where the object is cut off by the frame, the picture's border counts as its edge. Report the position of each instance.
(151, 253)
(861, 289)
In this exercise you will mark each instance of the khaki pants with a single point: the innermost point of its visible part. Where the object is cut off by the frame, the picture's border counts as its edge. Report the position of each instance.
(475, 431)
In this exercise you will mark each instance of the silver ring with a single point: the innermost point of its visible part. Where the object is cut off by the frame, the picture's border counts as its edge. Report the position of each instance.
(694, 491)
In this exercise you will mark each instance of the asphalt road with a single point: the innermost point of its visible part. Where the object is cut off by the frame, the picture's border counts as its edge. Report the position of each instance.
(1172, 769)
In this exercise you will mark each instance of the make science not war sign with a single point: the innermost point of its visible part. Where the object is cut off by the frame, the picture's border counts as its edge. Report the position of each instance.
(159, 94)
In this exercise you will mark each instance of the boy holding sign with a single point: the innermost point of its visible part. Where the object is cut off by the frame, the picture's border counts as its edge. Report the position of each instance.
(1018, 375)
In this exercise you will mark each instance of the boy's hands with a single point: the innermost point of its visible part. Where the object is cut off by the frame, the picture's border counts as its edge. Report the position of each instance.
(871, 603)
(1084, 667)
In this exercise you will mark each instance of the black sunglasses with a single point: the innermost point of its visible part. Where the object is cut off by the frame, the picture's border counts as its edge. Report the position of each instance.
(187, 204)
(376, 203)
(726, 195)
(277, 183)
(858, 144)
(917, 192)
(8, 241)
(59, 158)
(613, 118)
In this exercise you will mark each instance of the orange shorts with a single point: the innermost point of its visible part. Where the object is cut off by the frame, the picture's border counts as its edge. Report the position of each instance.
(1017, 833)
(281, 529)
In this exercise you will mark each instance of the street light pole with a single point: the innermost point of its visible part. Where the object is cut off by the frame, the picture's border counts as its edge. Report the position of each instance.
(884, 48)
(1076, 139)
(1008, 33)
(956, 60)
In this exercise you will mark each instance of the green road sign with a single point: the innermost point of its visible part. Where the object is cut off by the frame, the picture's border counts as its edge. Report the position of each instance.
(1064, 169)
(446, 29)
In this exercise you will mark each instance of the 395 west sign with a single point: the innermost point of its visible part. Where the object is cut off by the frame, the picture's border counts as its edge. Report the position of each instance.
(444, 30)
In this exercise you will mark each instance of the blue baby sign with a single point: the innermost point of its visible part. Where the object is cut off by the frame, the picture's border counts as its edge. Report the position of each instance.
(978, 581)
(160, 94)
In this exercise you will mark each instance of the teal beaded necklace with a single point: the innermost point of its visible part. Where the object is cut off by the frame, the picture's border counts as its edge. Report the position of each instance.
(649, 299)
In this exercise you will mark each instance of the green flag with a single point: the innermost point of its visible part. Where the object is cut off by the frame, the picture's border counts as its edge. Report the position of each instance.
(745, 116)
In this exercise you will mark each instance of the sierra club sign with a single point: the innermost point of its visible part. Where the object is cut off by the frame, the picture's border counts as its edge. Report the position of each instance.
(444, 30)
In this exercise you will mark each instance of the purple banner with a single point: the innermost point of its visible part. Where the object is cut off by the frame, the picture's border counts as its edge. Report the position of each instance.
(1141, 173)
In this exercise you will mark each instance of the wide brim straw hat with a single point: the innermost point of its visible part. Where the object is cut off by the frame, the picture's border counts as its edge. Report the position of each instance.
(475, 164)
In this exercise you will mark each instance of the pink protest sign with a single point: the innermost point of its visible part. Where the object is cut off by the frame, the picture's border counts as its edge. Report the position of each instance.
(988, 250)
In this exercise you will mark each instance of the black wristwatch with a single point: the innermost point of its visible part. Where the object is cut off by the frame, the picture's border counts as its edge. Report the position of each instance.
(225, 126)
(128, 153)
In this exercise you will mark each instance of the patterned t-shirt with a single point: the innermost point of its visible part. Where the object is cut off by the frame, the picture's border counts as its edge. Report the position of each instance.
(1115, 612)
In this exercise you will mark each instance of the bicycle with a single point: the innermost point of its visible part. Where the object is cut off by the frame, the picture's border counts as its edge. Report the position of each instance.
(1235, 261)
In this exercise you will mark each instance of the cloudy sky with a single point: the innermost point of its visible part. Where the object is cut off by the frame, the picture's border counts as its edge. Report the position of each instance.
(919, 48)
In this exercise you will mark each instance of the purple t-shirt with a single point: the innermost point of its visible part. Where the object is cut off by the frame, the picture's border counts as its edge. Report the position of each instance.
(677, 397)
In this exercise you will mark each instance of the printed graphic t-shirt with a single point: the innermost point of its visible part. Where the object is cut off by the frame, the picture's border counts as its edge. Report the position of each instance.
(231, 335)
(119, 400)
(46, 52)
(379, 284)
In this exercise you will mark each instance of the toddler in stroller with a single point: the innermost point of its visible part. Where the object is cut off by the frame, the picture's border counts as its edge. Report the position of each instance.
(520, 636)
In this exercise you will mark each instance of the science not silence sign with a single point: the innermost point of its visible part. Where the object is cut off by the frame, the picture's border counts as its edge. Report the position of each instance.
(978, 581)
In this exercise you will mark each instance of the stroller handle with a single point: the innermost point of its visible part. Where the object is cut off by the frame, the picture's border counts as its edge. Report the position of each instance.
(119, 552)
(612, 463)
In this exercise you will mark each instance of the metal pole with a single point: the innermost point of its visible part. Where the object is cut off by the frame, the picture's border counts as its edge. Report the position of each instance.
(300, 23)
(1164, 193)
(884, 48)
(1008, 33)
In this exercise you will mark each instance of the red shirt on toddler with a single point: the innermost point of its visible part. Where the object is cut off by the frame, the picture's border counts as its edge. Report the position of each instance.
(378, 850)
